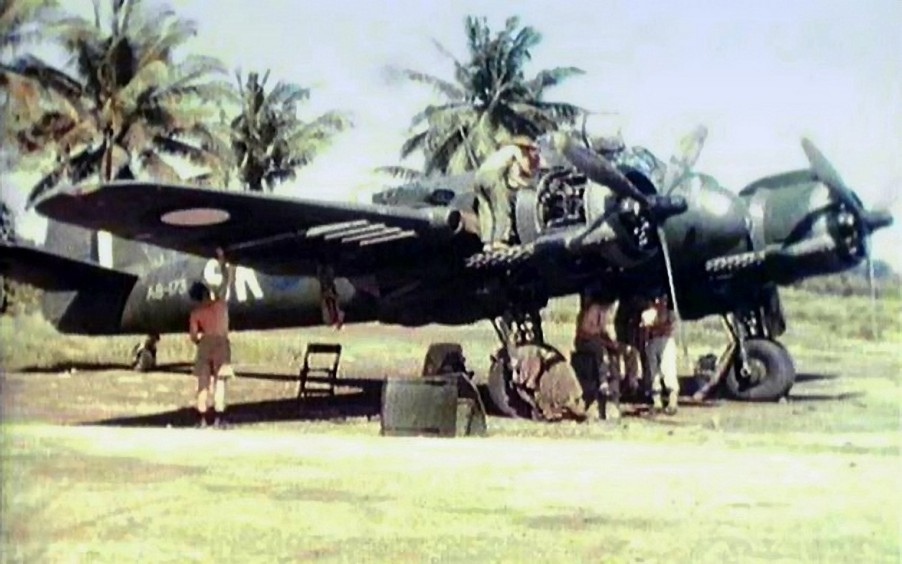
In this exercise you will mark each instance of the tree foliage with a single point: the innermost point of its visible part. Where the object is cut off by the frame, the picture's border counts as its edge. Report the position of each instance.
(489, 100)
(269, 141)
(122, 103)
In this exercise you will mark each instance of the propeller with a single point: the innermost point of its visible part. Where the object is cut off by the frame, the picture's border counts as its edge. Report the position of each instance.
(602, 171)
(688, 151)
(868, 221)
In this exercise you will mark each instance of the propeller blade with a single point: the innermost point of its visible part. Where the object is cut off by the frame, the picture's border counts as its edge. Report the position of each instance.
(684, 158)
(690, 147)
(601, 171)
(873, 291)
(828, 175)
(877, 219)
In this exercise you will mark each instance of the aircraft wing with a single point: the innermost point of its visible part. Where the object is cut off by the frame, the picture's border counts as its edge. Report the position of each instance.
(272, 234)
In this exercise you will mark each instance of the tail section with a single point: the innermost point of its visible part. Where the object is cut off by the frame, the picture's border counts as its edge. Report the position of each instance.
(80, 294)
(104, 249)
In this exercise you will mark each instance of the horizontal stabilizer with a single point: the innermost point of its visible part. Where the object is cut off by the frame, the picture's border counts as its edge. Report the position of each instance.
(51, 271)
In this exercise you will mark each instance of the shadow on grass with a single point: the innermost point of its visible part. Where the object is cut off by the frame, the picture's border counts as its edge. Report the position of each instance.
(808, 377)
(824, 397)
(177, 367)
(69, 366)
(365, 401)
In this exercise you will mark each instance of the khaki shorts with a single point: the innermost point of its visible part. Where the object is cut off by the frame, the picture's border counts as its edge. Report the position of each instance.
(213, 358)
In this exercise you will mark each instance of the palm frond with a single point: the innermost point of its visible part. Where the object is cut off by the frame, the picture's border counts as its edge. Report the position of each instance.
(432, 110)
(176, 33)
(77, 168)
(193, 153)
(552, 77)
(400, 172)
(24, 21)
(158, 169)
(560, 112)
(439, 159)
(323, 127)
(414, 143)
(46, 76)
(285, 94)
(449, 90)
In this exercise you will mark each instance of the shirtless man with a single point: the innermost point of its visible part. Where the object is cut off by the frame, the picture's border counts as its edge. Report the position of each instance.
(208, 328)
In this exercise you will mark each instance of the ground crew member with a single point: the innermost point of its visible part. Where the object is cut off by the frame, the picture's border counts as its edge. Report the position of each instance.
(592, 336)
(332, 312)
(208, 329)
(661, 353)
(501, 174)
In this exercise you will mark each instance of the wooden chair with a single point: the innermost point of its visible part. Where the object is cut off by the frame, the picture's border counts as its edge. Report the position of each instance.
(320, 359)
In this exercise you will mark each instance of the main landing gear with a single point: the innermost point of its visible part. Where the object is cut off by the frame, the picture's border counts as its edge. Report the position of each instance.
(520, 364)
(754, 366)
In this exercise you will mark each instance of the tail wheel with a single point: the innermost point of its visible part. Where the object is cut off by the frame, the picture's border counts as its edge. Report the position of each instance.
(768, 374)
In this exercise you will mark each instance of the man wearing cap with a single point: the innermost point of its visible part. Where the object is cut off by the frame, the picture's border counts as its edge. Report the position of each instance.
(501, 174)
(208, 329)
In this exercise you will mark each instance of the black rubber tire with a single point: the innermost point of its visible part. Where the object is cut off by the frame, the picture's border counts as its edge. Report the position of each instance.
(499, 391)
(778, 378)
(504, 397)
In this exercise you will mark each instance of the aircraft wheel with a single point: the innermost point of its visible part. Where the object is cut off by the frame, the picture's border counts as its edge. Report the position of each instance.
(769, 373)
(502, 392)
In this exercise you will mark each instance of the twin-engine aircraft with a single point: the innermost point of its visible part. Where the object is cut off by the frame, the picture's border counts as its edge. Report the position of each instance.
(119, 257)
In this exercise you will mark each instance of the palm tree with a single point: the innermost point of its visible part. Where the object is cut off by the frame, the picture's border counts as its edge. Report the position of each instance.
(489, 101)
(127, 104)
(269, 141)
(21, 22)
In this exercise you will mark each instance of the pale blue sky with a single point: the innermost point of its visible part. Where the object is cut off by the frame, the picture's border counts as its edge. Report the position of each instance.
(759, 74)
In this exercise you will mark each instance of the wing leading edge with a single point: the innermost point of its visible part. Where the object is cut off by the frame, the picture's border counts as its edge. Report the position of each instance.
(269, 233)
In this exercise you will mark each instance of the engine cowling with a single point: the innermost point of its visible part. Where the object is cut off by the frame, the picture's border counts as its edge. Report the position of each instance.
(564, 200)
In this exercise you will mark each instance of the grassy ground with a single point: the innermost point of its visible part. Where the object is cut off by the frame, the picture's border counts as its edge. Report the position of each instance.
(95, 467)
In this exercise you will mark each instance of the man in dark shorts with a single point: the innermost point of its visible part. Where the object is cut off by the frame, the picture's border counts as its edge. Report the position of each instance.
(208, 328)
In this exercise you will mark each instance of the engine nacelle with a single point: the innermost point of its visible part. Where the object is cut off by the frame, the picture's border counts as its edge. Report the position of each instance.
(616, 230)
(804, 229)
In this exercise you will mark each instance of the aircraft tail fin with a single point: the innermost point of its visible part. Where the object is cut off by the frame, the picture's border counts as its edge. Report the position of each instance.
(103, 249)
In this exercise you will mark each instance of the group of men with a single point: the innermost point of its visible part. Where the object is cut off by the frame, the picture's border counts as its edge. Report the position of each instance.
(617, 363)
